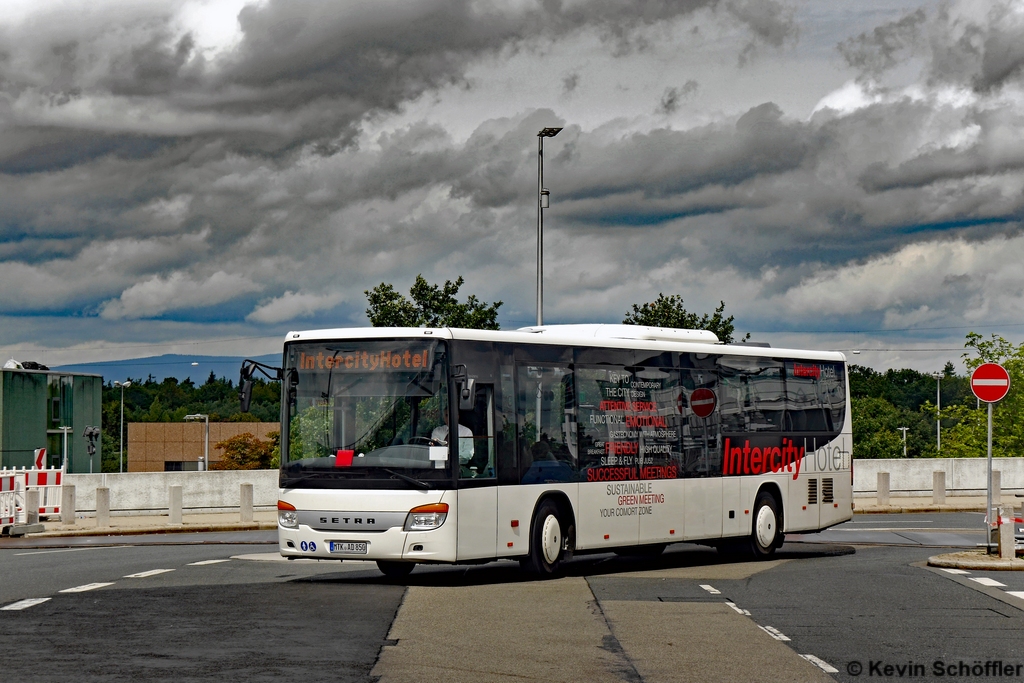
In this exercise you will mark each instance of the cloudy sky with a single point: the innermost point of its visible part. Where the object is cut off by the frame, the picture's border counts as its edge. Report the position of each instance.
(201, 176)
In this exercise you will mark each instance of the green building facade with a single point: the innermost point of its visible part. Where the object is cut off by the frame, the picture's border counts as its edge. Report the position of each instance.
(35, 404)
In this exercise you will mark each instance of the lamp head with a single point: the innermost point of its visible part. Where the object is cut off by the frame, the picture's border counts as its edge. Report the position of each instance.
(549, 132)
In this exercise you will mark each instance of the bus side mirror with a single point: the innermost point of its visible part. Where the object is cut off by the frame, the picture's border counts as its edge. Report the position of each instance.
(467, 395)
(245, 394)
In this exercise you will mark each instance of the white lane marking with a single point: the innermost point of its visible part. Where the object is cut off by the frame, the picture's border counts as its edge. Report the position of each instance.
(889, 521)
(199, 564)
(86, 587)
(1016, 594)
(22, 604)
(738, 610)
(985, 581)
(710, 589)
(151, 572)
(73, 550)
(953, 571)
(773, 632)
(821, 664)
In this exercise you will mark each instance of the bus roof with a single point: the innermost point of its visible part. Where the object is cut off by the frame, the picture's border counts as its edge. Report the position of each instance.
(594, 335)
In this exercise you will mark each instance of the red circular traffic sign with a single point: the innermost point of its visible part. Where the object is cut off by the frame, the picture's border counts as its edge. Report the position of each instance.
(703, 402)
(990, 382)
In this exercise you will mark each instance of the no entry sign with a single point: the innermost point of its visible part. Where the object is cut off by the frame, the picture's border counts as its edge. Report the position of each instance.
(990, 382)
(703, 402)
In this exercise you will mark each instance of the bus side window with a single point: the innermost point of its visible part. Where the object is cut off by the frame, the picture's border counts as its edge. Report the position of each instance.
(547, 424)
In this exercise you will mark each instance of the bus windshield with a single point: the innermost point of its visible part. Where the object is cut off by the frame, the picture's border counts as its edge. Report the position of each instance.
(365, 411)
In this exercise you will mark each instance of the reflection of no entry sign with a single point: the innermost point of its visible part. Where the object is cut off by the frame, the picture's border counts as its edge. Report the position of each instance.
(990, 382)
(703, 402)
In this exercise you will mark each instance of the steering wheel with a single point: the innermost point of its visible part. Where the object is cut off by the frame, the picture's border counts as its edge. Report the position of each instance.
(424, 441)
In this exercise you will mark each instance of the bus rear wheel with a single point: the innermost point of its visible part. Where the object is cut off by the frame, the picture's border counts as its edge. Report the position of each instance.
(547, 541)
(766, 535)
(395, 570)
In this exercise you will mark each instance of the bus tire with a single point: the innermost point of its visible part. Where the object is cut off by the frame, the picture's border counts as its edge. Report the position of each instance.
(765, 536)
(395, 570)
(547, 540)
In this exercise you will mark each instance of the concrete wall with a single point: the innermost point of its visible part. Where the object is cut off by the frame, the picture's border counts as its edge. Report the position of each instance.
(913, 476)
(145, 493)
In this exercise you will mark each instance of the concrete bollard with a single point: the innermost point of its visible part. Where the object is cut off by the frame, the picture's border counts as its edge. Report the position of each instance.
(883, 489)
(67, 504)
(32, 506)
(1007, 542)
(174, 505)
(102, 506)
(245, 504)
(938, 487)
(997, 487)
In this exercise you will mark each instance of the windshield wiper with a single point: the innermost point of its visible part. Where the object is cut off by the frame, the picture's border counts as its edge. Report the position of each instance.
(415, 482)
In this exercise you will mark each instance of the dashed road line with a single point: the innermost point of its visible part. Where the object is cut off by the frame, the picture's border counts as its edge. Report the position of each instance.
(821, 664)
(710, 589)
(24, 604)
(744, 612)
(86, 587)
(953, 571)
(204, 562)
(985, 581)
(1016, 594)
(151, 572)
(773, 632)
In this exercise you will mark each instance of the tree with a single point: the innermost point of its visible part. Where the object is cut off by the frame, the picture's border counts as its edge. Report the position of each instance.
(430, 306)
(668, 311)
(246, 452)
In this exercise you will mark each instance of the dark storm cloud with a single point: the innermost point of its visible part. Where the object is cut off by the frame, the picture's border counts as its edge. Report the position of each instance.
(876, 51)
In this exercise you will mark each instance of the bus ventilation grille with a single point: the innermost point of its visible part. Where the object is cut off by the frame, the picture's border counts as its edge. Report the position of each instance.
(812, 491)
(826, 491)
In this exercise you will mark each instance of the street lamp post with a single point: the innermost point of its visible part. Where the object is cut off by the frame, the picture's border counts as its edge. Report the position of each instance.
(204, 464)
(120, 434)
(543, 197)
(904, 430)
(938, 410)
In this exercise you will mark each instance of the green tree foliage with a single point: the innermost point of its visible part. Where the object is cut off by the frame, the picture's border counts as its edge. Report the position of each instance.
(246, 452)
(171, 400)
(968, 437)
(429, 306)
(876, 424)
(668, 311)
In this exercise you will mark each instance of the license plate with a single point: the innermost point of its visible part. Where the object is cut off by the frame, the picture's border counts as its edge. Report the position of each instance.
(348, 547)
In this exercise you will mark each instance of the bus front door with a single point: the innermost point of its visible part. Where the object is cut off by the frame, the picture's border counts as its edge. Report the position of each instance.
(478, 491)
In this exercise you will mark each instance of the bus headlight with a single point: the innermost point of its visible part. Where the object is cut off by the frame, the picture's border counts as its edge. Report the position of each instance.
(426, 517)
(287, 515)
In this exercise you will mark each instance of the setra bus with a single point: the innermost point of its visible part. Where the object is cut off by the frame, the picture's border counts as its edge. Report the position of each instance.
(569, 439)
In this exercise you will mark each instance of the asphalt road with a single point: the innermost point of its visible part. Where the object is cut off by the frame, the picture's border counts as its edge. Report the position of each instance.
(219, 611)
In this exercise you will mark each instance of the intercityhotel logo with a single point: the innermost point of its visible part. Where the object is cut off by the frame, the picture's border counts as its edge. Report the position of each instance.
(371, 361)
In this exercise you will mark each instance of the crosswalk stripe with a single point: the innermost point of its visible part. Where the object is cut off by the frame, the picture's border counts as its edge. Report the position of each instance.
(86, 587)
(23, 604)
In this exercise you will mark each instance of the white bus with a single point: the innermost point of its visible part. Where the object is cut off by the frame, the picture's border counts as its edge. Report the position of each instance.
(569, 439)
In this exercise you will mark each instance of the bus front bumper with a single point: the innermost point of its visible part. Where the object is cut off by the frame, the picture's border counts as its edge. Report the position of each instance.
(394, 544)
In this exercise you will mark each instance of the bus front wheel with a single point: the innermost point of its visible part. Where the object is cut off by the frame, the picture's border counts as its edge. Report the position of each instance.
(395, 570)
(765, 537)
(547, 541)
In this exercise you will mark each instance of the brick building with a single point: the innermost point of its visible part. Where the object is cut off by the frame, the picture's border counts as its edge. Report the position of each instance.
(175, 446)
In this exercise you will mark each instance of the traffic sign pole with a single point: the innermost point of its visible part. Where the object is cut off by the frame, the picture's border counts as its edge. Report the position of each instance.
(990, 382)
(988, 539)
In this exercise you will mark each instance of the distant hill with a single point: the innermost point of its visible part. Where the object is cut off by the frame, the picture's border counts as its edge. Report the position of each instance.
(169, 365)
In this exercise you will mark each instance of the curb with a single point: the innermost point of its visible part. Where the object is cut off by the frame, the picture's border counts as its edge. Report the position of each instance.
(139, 531)
(975, 561)
(894, 509)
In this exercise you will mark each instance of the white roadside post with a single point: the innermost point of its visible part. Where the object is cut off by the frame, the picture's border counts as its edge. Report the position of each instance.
(204, 464)
(990, 383)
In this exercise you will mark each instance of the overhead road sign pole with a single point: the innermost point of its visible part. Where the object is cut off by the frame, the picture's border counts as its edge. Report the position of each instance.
(990, 383)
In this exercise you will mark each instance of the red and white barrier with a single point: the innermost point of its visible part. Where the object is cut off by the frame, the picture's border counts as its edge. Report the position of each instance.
(8, 499)
(47, 481)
